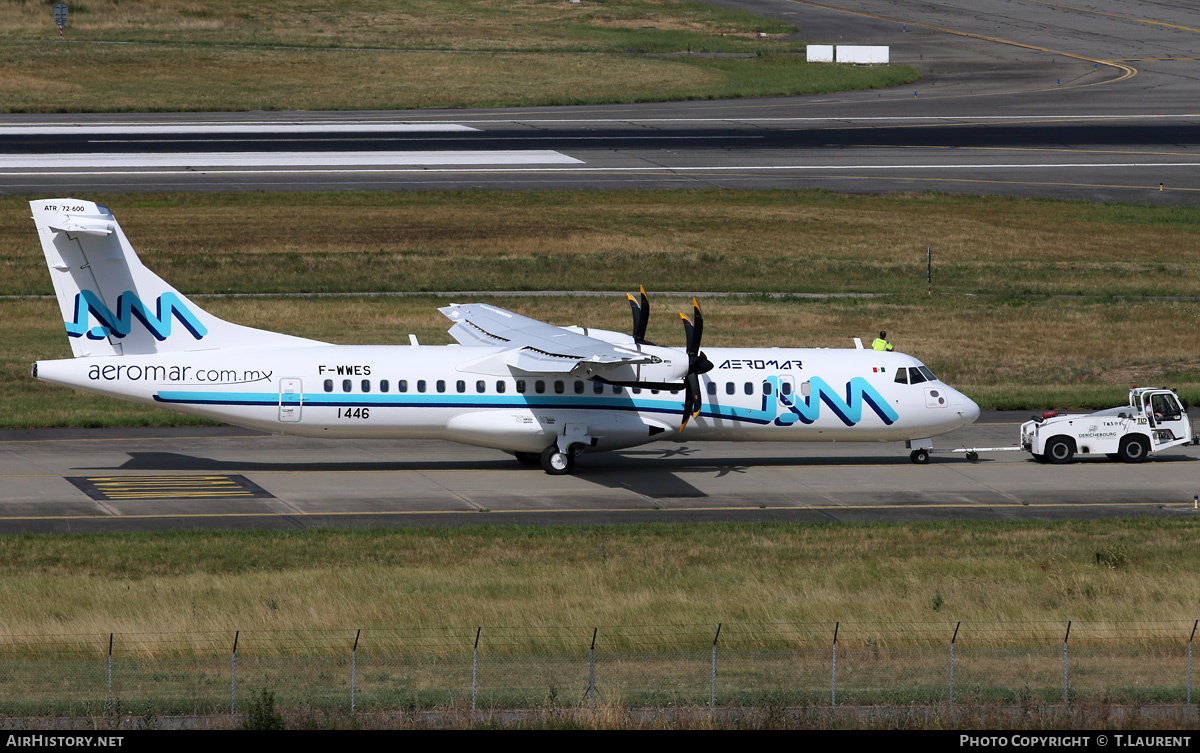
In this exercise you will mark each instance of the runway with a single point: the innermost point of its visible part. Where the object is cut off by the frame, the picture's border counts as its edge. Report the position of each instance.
(61, 481)
(1025, 99)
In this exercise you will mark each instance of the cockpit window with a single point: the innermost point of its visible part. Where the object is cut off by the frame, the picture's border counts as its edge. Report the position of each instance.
(915, 376)
(902, 376)
(928, 374)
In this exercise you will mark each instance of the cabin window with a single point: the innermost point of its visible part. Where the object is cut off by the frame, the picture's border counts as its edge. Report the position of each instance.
(329, 385)
(460, 386)
(481, 386)
(539, 387)
(347, 385)
(500, 386)
(636, 390)
(521, 386)
(559, 387)
(901, 376)
(730, 388)
(617, 389)
(711, 387)
(578, 387)
(441, 385)
(915, 376)
(749, 388)
(420, 385)
(383, 385)
(598, 388)
(805, 389)
(366, 385)
(767, 388)
(785, 388)
(653, 392)
(402, 385)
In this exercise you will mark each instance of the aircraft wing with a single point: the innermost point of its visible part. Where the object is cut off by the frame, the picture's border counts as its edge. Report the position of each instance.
(532, 345)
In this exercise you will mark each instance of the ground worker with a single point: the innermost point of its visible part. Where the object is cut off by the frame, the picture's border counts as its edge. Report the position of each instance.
(881, 342)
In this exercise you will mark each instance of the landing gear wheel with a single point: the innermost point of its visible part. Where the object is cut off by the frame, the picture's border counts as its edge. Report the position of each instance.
(556, 462)
(1059, 451)
(920, 457)
(1133, 449)
(528, 458)
(972, 456)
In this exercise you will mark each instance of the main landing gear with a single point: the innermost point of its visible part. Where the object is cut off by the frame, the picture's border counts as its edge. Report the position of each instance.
(552, 460)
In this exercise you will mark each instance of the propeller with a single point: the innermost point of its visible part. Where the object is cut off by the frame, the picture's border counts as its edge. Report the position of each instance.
(641, 316)
(698, 364)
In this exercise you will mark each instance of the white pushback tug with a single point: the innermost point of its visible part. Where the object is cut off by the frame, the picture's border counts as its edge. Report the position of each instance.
(1153, 421)
(541, 392)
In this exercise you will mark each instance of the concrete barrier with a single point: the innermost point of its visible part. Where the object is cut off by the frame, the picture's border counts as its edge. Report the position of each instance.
(820, 53)
(871, 55)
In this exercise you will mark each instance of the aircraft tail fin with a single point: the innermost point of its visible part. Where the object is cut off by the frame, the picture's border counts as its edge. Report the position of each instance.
(112, 304)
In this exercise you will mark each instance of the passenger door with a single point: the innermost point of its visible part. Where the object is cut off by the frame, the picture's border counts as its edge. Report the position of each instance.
(291, 400)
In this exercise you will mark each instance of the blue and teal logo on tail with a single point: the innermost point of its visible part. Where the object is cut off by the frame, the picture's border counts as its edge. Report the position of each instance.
(129, 306)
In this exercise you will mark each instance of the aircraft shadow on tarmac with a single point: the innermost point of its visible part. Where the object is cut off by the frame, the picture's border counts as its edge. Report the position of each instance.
(651, 472)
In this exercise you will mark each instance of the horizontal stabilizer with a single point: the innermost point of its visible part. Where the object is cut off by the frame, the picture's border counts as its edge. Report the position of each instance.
(76, 225)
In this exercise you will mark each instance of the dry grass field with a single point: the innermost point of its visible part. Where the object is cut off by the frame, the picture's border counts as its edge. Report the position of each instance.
(1130, 582)
(188, 55)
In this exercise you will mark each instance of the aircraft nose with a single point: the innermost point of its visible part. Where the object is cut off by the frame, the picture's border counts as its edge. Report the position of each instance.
(967, 408)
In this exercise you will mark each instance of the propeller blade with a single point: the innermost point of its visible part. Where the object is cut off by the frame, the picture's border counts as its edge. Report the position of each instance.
(641, 315)
(698, 318)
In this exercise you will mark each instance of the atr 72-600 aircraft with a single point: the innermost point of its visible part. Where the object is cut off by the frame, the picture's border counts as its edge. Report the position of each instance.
(543, 393)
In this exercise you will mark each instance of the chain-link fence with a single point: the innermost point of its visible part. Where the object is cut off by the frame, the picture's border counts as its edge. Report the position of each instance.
(750, 664)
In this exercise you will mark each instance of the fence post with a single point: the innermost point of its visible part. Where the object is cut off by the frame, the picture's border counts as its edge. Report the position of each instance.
(110, 697)
(712, 693)
(1066, 677)
(591, 691)
(1190, 639)
(233, 678)
(354, 671)
(952, 640)
(833, 686)
(475, 669)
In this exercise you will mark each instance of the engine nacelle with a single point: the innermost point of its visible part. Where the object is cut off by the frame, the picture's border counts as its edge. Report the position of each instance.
(670, 365)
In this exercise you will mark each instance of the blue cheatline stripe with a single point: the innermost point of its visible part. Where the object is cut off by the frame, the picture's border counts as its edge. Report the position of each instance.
(807, 410)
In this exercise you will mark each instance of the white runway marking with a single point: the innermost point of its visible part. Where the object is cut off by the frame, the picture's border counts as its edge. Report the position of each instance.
(285, 159)
(153, 128)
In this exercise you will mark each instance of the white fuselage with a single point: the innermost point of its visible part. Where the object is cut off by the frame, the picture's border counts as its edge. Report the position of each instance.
(766, 394)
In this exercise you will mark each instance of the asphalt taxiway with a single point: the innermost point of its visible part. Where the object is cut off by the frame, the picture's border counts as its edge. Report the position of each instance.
(59, 481)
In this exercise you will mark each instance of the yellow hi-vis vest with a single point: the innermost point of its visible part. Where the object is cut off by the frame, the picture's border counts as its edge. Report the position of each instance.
(881, 344)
